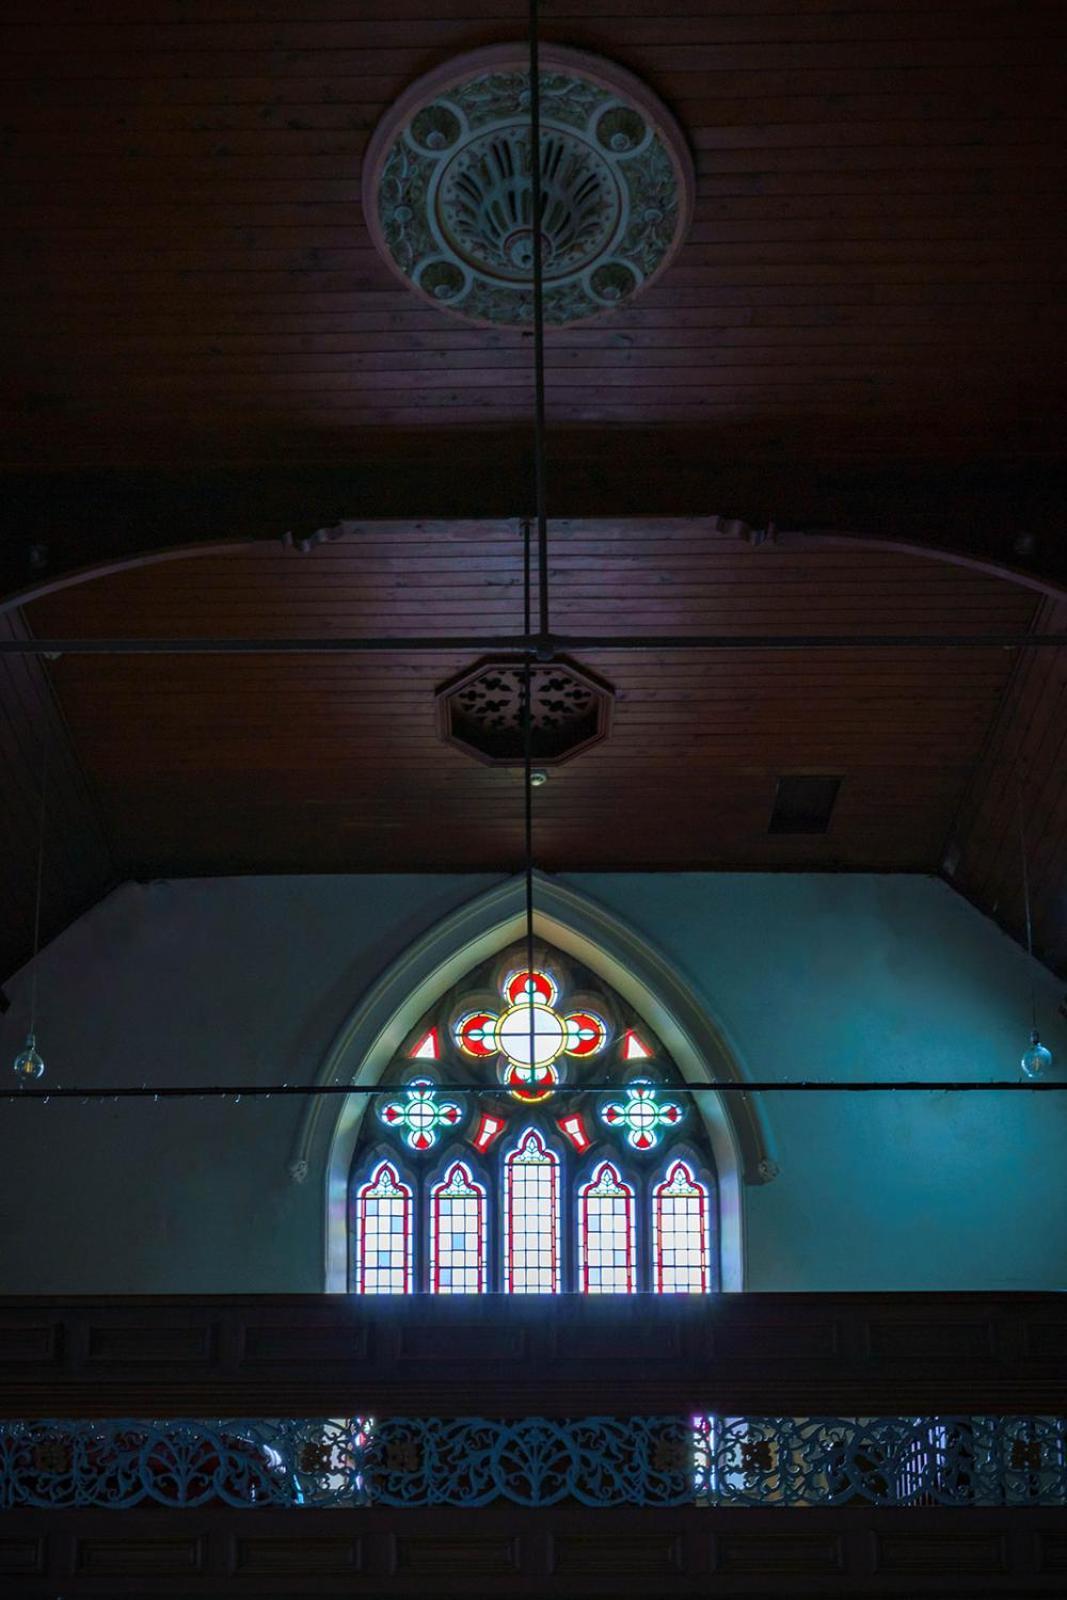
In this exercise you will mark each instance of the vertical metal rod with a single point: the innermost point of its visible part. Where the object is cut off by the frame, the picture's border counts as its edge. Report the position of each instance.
(526, 576)
(536, 207)
(527, 742)
(538, 322)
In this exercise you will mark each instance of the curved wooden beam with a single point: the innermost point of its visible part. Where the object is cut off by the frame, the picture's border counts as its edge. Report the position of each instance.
(1003, 518)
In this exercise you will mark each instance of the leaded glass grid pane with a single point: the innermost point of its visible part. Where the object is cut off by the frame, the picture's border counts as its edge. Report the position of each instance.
(531, 1222)
(457, 1234)
(680, 1233)
(383, 1224)
(606, 1234)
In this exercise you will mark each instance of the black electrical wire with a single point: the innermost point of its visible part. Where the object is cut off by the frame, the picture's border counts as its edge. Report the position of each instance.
(259, 1091)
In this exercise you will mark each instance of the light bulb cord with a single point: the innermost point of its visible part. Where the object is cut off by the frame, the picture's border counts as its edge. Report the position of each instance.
(38, 890)
(1026, 902)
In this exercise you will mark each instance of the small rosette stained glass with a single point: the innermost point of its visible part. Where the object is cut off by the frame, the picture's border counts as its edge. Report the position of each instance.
(642, 1114)
(419, 1115)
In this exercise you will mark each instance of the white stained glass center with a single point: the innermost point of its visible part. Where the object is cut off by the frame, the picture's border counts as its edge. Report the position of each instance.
(642, 1114)
(528, 1047)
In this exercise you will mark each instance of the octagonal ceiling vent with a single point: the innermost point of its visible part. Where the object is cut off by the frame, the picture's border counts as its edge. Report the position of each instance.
(447, 192)
(483, 711)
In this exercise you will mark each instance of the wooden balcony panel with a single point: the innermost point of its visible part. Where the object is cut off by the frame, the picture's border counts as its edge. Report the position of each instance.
(565, 1550)
(745, 1354)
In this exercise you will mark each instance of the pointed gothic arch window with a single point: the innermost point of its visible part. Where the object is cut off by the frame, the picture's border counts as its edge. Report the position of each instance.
(533, 1136)
(384, 1232)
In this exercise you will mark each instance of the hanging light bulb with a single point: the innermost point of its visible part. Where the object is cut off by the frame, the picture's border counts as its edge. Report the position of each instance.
(1036, 1060)
(28, 1065)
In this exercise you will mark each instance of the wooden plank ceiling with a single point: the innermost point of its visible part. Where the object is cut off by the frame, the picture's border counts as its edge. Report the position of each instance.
(871, 271)
(870, 283)
(333, 763)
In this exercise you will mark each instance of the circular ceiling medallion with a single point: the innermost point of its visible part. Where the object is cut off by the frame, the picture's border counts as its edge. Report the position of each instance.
(447, 192)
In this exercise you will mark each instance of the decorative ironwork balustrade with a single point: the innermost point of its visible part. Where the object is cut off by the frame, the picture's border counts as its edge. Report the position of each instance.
(536, 1461)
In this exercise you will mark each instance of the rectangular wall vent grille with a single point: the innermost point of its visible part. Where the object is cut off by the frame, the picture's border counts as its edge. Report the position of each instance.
(803, 804)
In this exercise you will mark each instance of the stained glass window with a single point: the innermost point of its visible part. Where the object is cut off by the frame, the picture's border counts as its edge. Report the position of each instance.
(532, 1136)
(457, 1234)
(642, 1114)
(383, 1227)
(420, 1114)
(680, 1233)
(607, 1254)
(531, 1217)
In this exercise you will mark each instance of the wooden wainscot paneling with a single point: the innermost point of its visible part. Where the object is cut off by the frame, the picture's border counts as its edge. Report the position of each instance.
(786, 1552)
(560, 1551)
(1046, 1340)
(461, 1554)
(152, 1344)
(610, 1554)
(436, 1342)
(303, 1356)
(787, 1340)
(34, 1341)
(946, 1553)
(124, 1556)
(273, 1343)
(1052, 1552)
(300, 1555)
(925, 1340)
(630, 1343)
(22, 1558)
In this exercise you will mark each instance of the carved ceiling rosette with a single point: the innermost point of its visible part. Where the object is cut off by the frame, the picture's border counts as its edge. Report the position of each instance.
(448, 198)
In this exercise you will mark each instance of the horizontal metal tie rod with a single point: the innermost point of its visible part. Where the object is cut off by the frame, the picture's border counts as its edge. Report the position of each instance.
(543, 647)
(258, 1091)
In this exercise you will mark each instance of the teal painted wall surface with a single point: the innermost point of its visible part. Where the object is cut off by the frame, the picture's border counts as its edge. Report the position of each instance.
(807, 975)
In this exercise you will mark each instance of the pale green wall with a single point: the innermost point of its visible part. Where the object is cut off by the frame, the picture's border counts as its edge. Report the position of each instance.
(848, 976)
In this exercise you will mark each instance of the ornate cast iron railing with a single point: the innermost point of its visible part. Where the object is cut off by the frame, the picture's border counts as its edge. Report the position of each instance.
(536, 1461)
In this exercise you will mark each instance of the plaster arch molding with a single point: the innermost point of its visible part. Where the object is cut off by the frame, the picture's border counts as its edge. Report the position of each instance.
(375, 1031)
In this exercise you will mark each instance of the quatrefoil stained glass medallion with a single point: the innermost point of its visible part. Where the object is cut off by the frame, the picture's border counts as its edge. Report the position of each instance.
(530, 1034)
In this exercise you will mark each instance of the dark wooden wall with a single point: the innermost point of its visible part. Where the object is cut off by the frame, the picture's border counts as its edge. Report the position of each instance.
(1023, 768)
(77, 862)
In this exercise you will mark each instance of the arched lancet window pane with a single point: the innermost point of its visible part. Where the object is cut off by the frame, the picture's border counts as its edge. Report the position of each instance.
(457, 1234)
(680, 1233)
(383, 1228)
(606, 1249)
(531, 1217)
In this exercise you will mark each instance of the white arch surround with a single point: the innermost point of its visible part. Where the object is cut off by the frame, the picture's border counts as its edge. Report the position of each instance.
(375, 1031)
